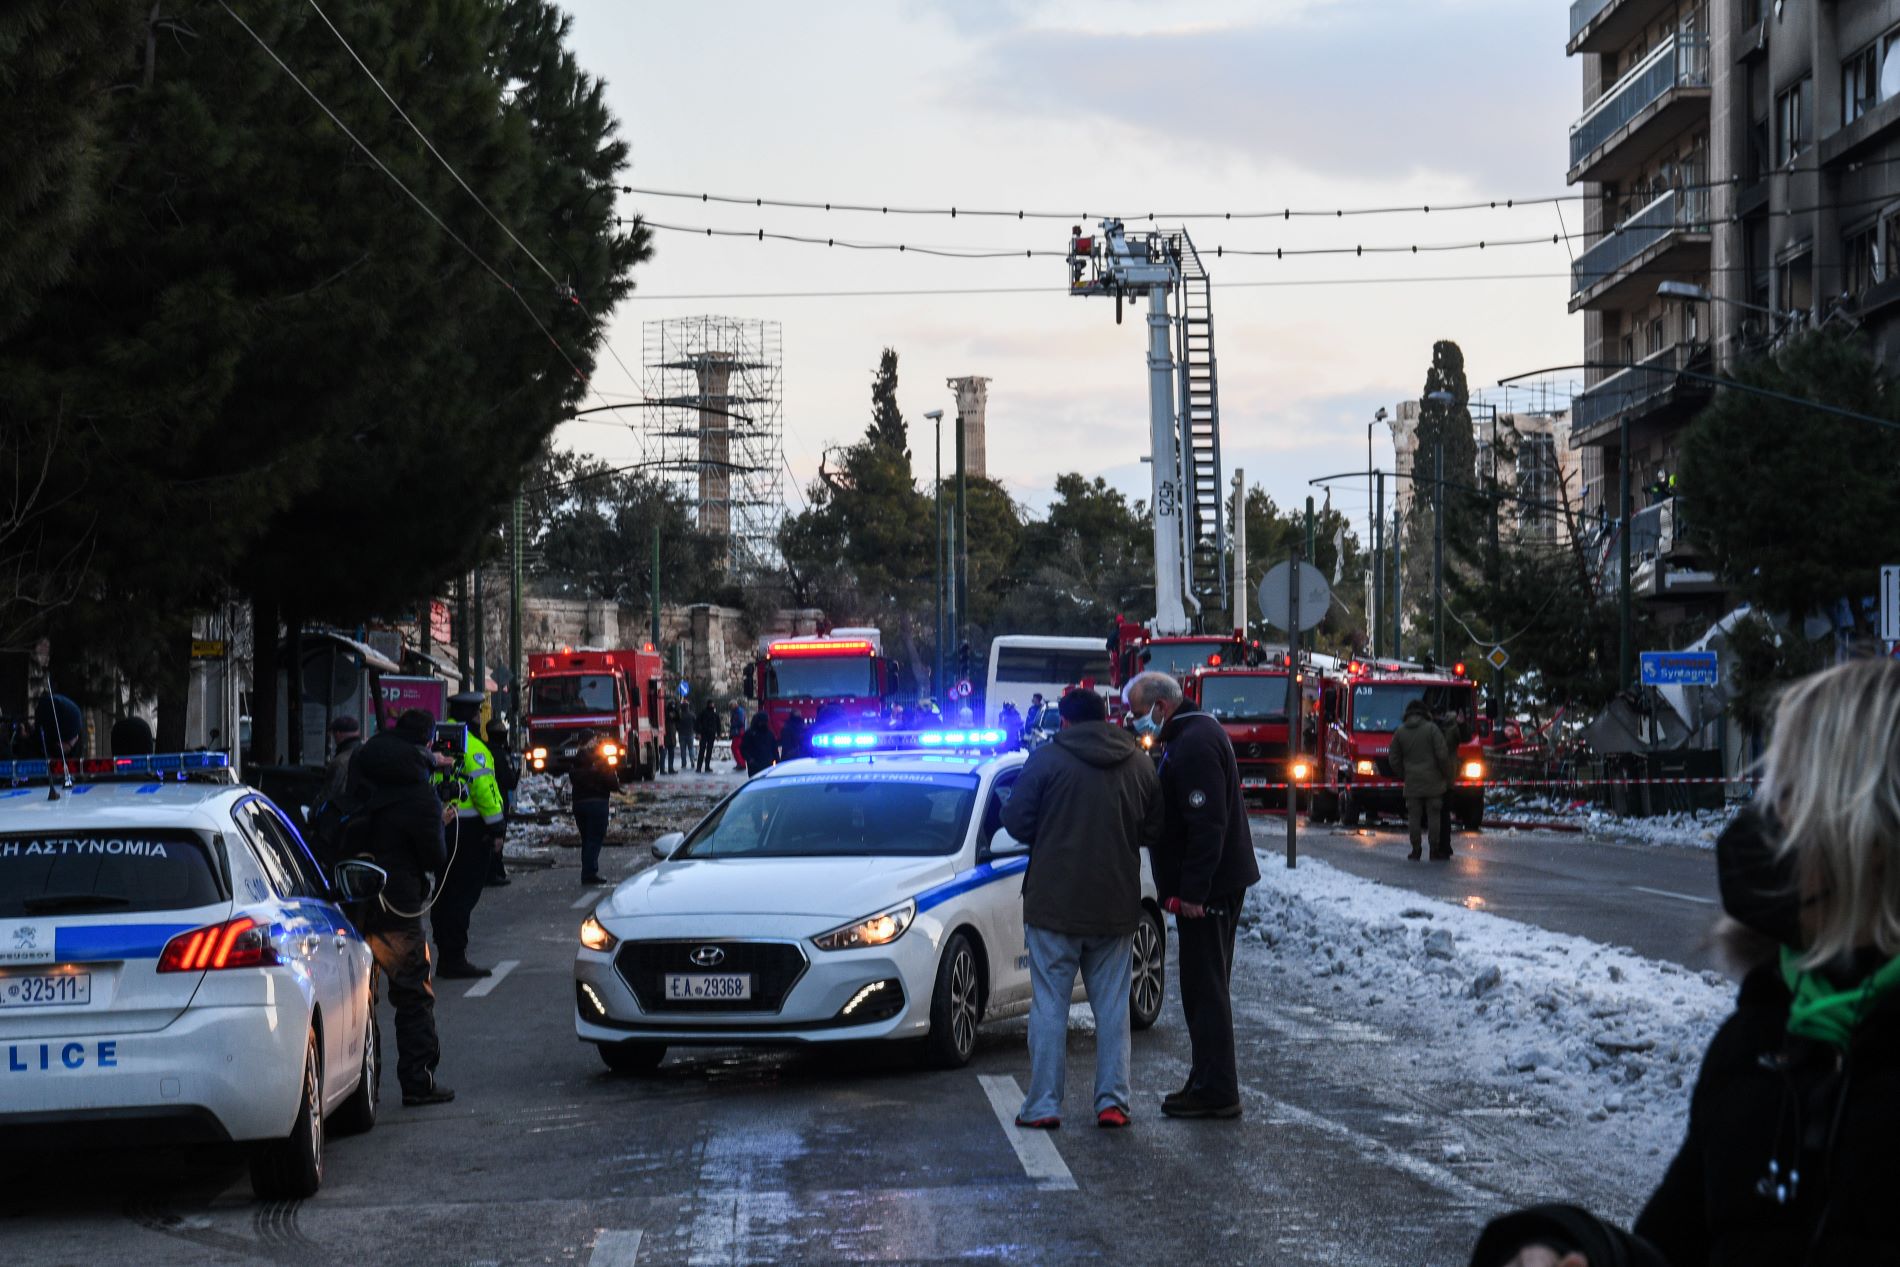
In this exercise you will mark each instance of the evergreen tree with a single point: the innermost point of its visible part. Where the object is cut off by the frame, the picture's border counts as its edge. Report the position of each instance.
(888, 427)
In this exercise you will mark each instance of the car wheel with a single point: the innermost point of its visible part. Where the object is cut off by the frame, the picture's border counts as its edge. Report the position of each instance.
(358, 1113)
(956, 1006)
(291, 1168)
(1148, 981)
(632, 1057)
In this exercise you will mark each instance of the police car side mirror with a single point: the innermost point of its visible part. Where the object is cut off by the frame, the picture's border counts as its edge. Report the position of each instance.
(358, 881)
(666, 846)
(1004, 845)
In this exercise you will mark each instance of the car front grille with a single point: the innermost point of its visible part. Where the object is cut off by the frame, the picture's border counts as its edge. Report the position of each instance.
(774, 966)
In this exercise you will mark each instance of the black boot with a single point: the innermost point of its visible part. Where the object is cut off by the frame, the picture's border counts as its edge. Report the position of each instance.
(458, 968)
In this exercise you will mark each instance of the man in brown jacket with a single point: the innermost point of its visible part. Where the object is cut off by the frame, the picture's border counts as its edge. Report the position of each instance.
(1421, 757)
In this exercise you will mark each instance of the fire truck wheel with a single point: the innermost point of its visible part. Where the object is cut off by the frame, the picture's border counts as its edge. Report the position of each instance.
(1471, 813)
(1348, 809)
(1325, 807)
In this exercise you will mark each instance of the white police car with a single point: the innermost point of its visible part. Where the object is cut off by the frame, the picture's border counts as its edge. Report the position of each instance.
(173, 967)
(868, 894)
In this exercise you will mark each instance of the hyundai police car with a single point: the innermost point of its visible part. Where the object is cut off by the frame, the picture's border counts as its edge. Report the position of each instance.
(175, 968)
(868, 892)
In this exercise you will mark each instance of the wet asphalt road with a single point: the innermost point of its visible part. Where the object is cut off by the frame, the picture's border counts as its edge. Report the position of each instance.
(1352, 1151)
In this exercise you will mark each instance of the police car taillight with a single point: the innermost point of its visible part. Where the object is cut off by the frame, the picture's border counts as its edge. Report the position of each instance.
(236, 943)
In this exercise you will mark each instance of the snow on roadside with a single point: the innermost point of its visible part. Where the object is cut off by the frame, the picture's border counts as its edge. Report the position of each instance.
(1689, 829)
(1589, 1031)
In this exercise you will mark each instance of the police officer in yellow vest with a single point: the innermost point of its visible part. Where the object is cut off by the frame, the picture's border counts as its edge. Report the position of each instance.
(475, 837)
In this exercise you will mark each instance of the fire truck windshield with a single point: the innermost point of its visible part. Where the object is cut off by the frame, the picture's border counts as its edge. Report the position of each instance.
(1379, 707)
(1182, 658)
(1252, 698)
(820, 677)
(573, 694)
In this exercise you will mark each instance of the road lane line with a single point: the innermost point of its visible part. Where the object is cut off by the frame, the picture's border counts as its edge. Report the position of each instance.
(1680, 897)
(487, 983)
(590, 898)
(1034, 1149)
(615, 1248)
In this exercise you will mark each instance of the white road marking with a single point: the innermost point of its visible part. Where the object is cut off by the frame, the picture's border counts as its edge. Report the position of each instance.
(1034, 1149)
(589, 898)
(1374, 1150)
(615, 1248)
(487, 983)
(1680, 897)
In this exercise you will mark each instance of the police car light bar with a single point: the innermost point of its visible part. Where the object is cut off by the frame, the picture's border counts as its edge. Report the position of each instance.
(157, 764)
(906, 740)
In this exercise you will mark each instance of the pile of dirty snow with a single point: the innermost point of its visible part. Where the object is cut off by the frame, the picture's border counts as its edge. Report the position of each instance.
(1587, 1030)
(1689, 829)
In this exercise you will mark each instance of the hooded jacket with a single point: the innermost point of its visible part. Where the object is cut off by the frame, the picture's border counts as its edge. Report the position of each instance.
(1086, 804)
(1206, 849)
(1420, 756)
(398, 822)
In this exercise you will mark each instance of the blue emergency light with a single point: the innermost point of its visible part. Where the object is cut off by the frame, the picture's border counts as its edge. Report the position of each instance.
(905, 740)
(154, 765)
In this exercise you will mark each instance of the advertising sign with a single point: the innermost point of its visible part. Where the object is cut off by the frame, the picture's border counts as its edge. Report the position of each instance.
(400, 694)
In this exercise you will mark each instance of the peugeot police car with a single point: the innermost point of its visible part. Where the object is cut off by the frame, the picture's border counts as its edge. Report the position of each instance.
(174, 968)
(868, 892)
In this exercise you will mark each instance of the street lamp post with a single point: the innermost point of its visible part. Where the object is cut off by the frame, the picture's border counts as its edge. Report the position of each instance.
(936, 488)
(1377, 489)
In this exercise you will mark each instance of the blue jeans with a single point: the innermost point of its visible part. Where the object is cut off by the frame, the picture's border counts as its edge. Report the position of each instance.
(591, 818)
(1106, 964)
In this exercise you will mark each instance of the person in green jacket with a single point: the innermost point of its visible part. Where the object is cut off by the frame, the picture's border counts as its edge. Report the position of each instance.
(1421, 757)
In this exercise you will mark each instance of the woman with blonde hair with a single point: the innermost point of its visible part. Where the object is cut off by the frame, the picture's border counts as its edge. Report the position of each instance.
(1793, 1150)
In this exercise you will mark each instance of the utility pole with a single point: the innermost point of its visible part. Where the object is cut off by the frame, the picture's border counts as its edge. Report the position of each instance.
(462, 648)
(1378, 559)
(1626, 654)
(654, 615)
(1497, 581)
(480, 633)
(1309, 527)
(514, 609)
(1240, 551)
(1295, 722)
(1398, 584)
(963, 543)
(936, 488)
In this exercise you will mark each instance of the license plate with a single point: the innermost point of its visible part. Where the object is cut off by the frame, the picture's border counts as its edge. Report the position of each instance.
(699, 986)
(45, 989)
(1253, 783)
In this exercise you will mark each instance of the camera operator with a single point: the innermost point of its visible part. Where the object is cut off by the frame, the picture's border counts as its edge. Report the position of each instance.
(478, 833)
(399, 826)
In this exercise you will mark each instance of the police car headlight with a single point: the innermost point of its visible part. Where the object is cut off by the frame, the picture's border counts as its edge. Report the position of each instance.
(594, 935)
(878, 930)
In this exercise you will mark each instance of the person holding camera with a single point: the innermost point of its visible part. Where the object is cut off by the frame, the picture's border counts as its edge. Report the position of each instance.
(397, 824)
(591, 784)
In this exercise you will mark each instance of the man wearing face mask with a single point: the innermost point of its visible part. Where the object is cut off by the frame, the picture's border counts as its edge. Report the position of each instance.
(1203, 868)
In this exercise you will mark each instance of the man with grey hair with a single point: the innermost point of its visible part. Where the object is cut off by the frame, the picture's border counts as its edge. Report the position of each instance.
(1203, 868)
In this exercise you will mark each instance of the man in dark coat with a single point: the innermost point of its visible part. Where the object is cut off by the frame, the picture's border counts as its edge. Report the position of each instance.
(1086, 804)
(708, 735)
(1205, 863)
(592, 783)
(1420, 756)
(399, 826)
(760, 746)
(794, 741)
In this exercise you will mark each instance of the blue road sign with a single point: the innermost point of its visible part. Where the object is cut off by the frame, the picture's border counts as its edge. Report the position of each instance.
(1680, 668)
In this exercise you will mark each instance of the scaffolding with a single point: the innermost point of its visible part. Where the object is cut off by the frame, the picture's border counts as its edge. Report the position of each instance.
(717, 427)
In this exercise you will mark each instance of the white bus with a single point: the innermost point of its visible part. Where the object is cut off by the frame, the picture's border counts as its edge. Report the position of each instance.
(1022, 665)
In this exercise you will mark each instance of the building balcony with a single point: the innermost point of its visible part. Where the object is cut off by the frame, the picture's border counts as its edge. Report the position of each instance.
(1669, 238)
(1603, 26)
(1663, 96)
(1655, 385)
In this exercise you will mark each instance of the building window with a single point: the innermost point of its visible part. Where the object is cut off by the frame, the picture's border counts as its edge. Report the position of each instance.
(1795, 283)
(1655, 335)
(1794, 121)
(1629, 349)
(1869, 77)
(1861, 263)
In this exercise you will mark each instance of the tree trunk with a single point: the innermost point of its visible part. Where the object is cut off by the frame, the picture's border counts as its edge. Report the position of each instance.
(264, 669)
(173, 687)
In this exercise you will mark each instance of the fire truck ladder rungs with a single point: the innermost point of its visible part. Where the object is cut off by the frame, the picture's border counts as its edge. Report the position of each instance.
(1200, 435)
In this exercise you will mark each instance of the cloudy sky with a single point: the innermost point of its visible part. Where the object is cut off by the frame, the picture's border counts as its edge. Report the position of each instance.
(1101, 107)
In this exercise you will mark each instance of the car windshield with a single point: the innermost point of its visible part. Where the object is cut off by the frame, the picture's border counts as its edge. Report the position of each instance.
(573, 695)
(1182, 658)
(819, 677)
(1254, 698)
(1380, 707)
(836, 816)
(105, 872)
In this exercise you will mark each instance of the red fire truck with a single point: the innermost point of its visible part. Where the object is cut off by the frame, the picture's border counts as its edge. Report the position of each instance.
(574, 694)
(1132, 649)
(1363, 706)
(844, 670)
(1250, 704)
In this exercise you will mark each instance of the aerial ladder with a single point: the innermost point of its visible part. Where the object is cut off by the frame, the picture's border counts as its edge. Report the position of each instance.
(1183, 408)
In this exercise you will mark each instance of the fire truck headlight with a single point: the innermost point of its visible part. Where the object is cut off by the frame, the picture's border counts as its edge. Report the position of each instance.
(1365, 769)
(610, 750)
(539, 754)
(1300, 771)
(1473, 771)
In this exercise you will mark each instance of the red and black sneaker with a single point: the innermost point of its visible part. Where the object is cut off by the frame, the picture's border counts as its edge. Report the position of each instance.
(1112, 1118)
(1039, 1123)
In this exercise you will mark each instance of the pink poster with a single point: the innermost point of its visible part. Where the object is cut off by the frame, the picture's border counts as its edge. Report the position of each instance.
(429, 694)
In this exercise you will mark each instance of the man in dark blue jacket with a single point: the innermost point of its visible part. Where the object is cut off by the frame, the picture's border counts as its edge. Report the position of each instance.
(1205, 863)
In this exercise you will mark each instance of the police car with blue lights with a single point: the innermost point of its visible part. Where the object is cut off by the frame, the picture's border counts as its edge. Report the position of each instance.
(174, 967)
(867, 892)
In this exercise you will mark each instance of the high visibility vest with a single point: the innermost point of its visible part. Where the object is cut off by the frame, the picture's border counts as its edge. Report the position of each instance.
(477, 770)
